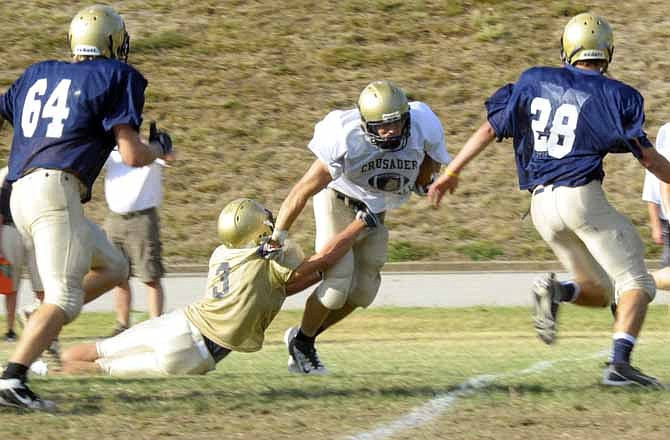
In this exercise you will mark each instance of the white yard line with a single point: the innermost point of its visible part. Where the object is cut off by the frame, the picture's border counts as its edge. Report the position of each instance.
(438, 405)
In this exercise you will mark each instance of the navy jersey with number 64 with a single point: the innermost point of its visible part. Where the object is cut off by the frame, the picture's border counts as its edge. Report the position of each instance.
(63, 114)
(564, 121)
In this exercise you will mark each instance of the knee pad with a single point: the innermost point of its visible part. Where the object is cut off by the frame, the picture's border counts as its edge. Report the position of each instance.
(333, 292)
(70, 301)
(365, 289)
(644, 283)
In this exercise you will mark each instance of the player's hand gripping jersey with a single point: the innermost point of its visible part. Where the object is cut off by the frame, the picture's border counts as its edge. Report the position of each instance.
(63, 114)
(382, 179)
(564, 121)
(244, 293)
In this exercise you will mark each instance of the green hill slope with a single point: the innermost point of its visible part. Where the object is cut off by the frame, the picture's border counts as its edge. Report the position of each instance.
(240, 85)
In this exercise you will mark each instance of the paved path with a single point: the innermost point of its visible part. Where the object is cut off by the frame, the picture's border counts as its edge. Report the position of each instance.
(403, 286)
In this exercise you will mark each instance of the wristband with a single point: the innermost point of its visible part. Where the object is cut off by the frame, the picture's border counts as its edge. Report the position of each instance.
(451, 173)
(279, 235)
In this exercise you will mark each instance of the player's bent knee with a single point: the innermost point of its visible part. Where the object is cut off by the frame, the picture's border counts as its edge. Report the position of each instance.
(645, 283)
(70, 304)
(333, 293)
(366, 286)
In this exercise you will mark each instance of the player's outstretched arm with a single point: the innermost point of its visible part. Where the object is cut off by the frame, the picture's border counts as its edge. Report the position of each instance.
(313, 181)
(448, 181)
(136, 153)
(652, 160)
(331, 253)
(80, 359)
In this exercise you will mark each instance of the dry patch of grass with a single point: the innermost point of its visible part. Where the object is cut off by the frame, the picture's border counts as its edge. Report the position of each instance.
(241, 84)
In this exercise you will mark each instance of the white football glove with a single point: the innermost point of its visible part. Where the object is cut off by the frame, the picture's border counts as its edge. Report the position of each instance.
(368, 217)
(269, 249)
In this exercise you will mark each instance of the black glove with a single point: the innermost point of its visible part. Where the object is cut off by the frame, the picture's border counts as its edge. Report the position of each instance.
(368, 217)
(161, 137)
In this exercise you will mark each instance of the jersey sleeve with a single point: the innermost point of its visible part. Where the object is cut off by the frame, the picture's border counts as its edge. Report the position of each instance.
(7, 104)
(326, 145)
(498, 113)
(129, 103)
(434, 143)
(633, 122)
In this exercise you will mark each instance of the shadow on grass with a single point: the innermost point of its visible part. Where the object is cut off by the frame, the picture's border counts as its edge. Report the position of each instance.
(210, 395)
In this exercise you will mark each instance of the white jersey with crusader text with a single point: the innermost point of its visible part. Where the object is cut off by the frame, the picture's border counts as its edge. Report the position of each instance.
(651, 191)
(382, 179)
(244, 294)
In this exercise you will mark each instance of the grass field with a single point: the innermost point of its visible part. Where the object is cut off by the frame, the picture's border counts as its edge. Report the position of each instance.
(424, 373)
(241, 84)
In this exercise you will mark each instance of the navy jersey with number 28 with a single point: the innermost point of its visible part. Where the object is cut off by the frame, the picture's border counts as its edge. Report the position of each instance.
(63, 115)
(564, 121)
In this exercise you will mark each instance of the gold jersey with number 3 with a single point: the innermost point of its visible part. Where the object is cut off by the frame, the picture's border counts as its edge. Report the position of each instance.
(244, 294)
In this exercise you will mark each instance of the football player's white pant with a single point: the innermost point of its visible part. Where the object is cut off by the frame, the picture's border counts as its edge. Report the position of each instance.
(591, 239)
(167, 345)
(48, 212)
(355, 279)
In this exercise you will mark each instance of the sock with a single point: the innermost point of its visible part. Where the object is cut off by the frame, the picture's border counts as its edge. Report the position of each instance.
(15, 371)
(571, 291)
(301, 336)
(623, 346)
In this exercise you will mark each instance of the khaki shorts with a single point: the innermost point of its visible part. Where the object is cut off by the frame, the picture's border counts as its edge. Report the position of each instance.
(138, 235)
(48, 213)
(167, 345)
(18, 254)
(591, 239)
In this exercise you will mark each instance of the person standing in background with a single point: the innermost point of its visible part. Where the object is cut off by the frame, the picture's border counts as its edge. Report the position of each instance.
(134, 195)
(657, 195)
(66, 118)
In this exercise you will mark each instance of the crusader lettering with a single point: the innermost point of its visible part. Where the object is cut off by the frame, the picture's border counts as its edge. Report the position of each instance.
(390, 164)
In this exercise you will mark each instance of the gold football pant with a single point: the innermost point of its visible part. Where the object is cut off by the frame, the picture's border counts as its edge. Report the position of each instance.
(48, 213)
(355, 279)
(591, 239)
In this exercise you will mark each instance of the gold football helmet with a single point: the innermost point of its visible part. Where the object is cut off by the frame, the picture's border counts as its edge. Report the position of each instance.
(99, 31)
(244, 223)
(382, 102)
(587, 37)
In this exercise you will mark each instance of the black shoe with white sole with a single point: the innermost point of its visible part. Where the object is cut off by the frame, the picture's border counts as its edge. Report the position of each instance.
(303, 357)
(622, 374)
(15, 393)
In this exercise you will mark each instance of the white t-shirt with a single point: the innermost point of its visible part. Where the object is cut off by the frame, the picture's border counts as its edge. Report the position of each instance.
(129, 189)
(381, 179)
(651, 192)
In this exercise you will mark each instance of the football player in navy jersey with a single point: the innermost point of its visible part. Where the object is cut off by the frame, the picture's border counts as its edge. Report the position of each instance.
(67, 117)
(564, 121)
